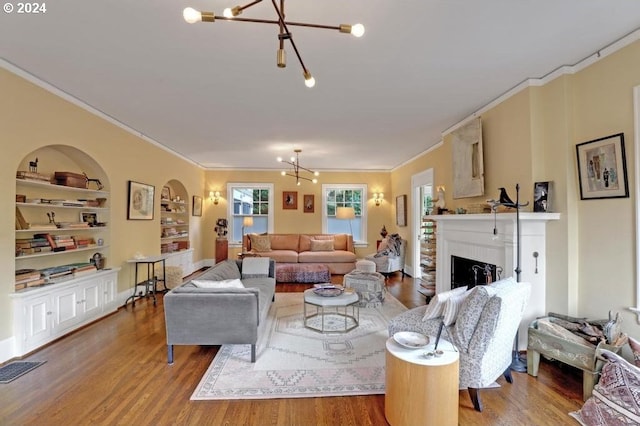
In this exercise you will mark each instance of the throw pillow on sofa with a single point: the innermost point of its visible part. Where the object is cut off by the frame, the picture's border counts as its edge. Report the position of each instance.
(233, 283)
(260, 242)
(435, 309)
(321, 245)
(452, 307)
(255, 267)
(616, 397)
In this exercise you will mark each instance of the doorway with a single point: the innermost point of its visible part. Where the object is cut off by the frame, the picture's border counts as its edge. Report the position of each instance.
(422, 205)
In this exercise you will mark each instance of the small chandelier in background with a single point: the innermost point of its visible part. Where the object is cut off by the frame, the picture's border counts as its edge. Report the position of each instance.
(230, 14)
(295, 163)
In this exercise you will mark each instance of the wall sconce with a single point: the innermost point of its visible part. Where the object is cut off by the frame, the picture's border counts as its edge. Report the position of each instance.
(214, 196)
(378, 197)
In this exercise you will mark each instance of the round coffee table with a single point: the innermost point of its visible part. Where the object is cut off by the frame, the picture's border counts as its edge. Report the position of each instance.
(328, 306)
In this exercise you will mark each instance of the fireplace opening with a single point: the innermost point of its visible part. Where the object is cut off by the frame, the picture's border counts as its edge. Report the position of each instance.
(463, 272)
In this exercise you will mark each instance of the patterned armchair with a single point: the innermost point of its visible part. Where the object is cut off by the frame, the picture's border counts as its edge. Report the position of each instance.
(390, 255)
(484, 330)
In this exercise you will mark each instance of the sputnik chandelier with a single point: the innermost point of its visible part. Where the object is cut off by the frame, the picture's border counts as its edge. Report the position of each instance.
(230, 14)
(295, 163)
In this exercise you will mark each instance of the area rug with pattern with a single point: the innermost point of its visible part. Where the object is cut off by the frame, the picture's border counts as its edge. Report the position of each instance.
(295, 362)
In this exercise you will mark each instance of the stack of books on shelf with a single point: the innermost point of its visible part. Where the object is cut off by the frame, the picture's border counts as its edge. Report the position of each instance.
(35, 176)
(67, 203)
(26, 246)
(42, 226)
(74, 225)
(57, 273)
(65, 241)
(83, 242)
(28, 278)
(81, 269)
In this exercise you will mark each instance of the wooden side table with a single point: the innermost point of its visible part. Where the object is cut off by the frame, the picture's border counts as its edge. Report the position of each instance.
(222, 249)
(421, 391)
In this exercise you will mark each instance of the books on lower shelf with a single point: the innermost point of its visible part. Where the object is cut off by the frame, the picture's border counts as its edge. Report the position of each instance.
(28, 278)
(46, 243)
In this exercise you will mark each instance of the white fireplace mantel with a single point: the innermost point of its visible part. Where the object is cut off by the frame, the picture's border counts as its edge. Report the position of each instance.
(472, 236)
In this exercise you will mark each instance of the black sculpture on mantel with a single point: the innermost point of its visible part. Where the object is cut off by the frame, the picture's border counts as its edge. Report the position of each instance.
(516, 363)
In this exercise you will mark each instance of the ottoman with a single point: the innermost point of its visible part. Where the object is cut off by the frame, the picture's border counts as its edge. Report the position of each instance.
(369, 286)
(302, 273)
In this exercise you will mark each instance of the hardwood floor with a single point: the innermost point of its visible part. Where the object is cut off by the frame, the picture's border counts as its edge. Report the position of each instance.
(115, 372)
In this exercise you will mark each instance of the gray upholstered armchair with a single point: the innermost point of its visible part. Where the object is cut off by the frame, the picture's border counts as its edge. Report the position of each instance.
(484, 330)
(390, 255)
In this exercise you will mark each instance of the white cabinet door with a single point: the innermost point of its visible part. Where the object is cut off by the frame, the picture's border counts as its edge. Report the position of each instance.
(109, 302)
(38, 317)
(67, 308)
(91, 299)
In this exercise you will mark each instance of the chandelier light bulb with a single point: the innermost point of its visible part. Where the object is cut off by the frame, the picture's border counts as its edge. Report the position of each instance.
(279, 159)
(283, 173)
(227, 13)
(357, 30)
(293, 159)
(309, 81)
(191, 15)
(298, 183)
(316, 173)
(314, 180)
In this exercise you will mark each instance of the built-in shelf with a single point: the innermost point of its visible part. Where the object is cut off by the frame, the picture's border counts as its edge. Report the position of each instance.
(55, 253)
(35, 183)
(60, 230)
(58, 206)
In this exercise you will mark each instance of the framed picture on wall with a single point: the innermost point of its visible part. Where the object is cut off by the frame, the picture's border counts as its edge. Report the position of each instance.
(401, 210)
(140, 201)
(289, 200)
(602, 168)
(308, 204)
(196, 209)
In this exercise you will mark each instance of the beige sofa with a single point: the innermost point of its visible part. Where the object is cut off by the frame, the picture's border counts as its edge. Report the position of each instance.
(334, 250)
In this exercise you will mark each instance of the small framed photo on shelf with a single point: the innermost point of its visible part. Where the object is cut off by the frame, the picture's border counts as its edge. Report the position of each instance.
(166, 193)
(140, 201)
(308, 202)
(602, 168)
(289, 200)
(197, 206)
(89, 217)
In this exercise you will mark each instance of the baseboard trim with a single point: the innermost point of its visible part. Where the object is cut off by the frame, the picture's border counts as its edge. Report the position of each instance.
(7, 349)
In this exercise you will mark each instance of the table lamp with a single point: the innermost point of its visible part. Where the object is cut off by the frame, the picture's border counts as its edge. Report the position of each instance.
(247, 221)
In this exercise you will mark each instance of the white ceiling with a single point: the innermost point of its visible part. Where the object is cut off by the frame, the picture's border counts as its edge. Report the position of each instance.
(212, 92)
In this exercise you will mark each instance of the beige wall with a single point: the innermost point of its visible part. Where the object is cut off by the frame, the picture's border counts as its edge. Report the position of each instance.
(531, 137)
(32, 118)
(603, 105)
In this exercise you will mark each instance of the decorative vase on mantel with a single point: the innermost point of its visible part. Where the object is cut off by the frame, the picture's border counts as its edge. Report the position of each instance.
(383, 231)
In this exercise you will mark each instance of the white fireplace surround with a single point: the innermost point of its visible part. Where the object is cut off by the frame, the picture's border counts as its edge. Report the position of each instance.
(471, 236)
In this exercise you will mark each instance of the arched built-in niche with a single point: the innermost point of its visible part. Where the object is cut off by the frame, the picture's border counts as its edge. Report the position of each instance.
(174, 217)
(79, 210)
(61, 226)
